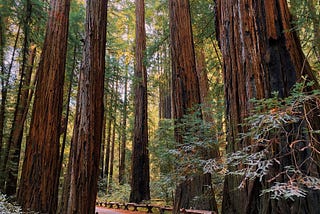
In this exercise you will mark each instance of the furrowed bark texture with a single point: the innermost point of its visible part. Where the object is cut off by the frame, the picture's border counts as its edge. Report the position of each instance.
(140, 177)
(185, 84)
(185, 96)
(39, 180)
(261, 54)
(87, 134)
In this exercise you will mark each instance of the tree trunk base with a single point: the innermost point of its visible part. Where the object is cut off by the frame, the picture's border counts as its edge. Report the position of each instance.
(195, 193)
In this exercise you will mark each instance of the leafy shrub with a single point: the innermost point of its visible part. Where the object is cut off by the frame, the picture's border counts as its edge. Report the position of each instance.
(283, 146)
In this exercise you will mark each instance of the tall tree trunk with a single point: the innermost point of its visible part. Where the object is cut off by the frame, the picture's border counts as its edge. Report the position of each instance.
(20, 115)
(311, 5)
(206, 105)
(38, 189)
(14, 143)
(103, 145)
(109, 129)
(165, 86)
(185, 96)
(261, 54)
(4, 91)
(122, 165)
(140, 177)
(111, 166)
(203, 85)
(65, 122)
(114, 122)
(87, 134)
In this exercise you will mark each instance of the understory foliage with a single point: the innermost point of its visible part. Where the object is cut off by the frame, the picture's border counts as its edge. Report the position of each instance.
(177, 162)
(199, 144)
(273, 122)
(7, 207)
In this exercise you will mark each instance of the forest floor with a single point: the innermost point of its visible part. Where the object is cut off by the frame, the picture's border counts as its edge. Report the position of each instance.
(103, 210)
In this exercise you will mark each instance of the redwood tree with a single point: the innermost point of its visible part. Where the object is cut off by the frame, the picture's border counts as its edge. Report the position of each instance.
(39, 179)
(87, 134)
(185, 97)
(140, 189)
(261, 54)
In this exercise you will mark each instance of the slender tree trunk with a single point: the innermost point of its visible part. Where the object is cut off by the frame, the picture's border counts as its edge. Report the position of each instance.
(206, 105)
(4, 92)
(109, 129)
(113, 139)
(203, 85)
(165, 86)
(140, 177)
(38, 189)
(64, 127)
(185, 96)
(261, 54)
(3, 100)
(311, 4)
(122, 166)
(2, 43)
(103, 145)
(114, 122)
(20, 115)
(14, 143)
(87, 135)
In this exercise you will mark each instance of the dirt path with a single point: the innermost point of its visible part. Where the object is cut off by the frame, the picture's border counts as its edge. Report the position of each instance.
(103, 210)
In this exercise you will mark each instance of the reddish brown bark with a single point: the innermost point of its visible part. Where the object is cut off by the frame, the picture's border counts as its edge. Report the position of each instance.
(206, 105)
(261, 54)
(185, 98)
(204, 86)
(39, 180)
(140, 177)
(87, 135)
(185, 84)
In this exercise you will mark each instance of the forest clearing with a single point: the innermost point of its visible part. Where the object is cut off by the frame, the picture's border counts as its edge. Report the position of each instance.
(162, 106)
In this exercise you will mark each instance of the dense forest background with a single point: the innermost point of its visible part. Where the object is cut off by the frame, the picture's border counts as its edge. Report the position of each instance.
(206, 104)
